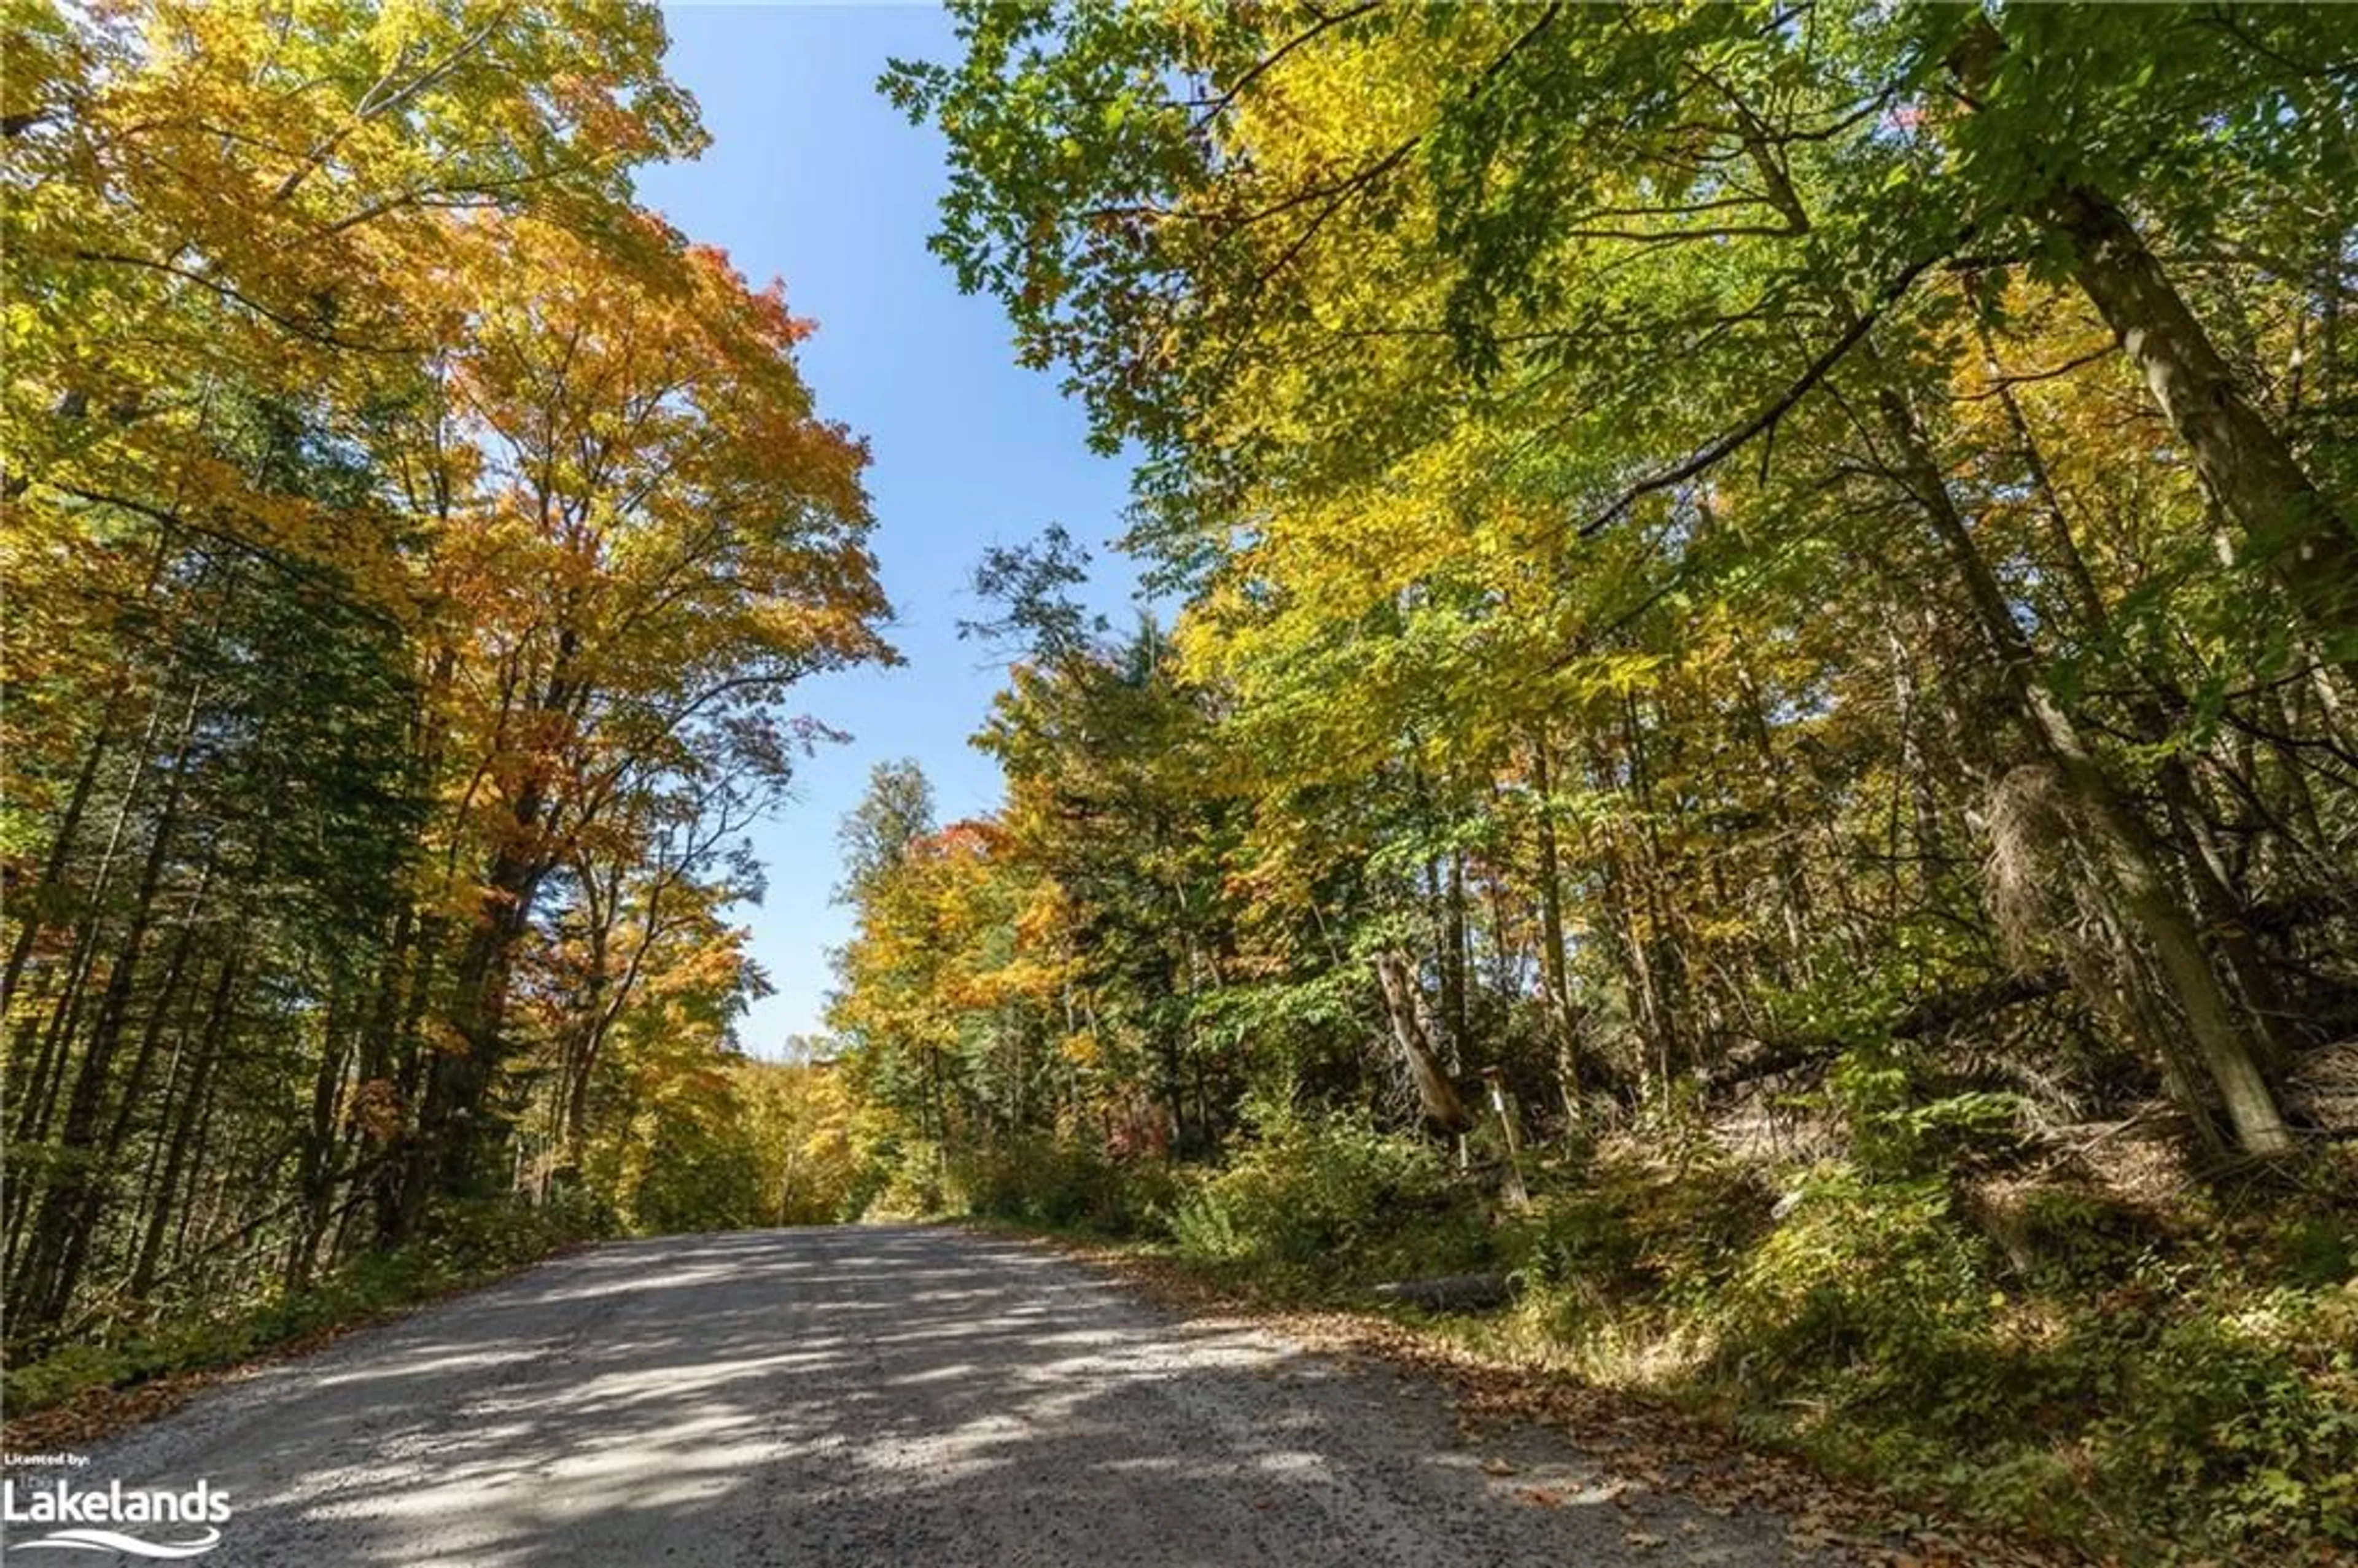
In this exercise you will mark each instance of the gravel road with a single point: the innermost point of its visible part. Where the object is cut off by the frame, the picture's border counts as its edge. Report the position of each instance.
(892, 1395)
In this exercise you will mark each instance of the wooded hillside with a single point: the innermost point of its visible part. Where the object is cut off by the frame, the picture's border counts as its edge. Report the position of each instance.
(1778, 581)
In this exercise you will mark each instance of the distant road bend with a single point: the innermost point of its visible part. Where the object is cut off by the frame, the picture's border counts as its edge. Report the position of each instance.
(867, 1395)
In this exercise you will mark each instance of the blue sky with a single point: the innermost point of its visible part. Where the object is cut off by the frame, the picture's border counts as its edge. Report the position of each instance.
(814, 178)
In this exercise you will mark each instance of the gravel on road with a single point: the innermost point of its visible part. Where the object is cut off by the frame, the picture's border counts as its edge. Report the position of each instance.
(901, 1395)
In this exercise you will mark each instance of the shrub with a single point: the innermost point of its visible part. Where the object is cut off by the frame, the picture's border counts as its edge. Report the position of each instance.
(1328, 1190)
(1634, 1225)
(1871, 1279)
(909, 1179)
(1900, 1125)
(2250, 1406)
(1060, 1184)
(65, 1372)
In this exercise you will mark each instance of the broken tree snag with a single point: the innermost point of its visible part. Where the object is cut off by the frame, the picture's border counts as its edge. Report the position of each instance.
(1438, 1097)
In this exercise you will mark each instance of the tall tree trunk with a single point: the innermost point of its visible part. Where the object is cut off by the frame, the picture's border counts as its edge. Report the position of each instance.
(30, 923)
(1554, 980)
(453, 1144)
(194, 1108)
(60, 1241)
(1660, 957)
(315, 1181)
(2223, 907)
(60, 854)
(2123, 846)
(2289, 523)
(1454, 1004)
(2245, 461)
(37, 1100)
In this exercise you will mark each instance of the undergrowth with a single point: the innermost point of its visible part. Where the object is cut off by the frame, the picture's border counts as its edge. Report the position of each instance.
(2150, 1377)
(469, 1244)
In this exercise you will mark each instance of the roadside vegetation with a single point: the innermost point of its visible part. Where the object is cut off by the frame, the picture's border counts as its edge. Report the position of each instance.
(1771, 589)
(2093, 1357)
(775, 1143)
(413, 546)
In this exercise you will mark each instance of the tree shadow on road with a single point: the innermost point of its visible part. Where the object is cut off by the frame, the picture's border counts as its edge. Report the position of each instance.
(872, 1395)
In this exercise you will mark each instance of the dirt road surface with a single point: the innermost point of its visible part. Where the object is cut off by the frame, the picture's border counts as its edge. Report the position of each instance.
(910, 1396)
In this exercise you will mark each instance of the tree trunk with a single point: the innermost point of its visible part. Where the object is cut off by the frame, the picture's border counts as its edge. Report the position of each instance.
(2122, 843)
(2216, 896)
(1453, 1008)
(2290, 525)
(60, 1240)
(316, 1174)
(449, 1153)
(1438, 1097)
(193, 1109)
(1553, 979)
(37, 1100)
(61, 856)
